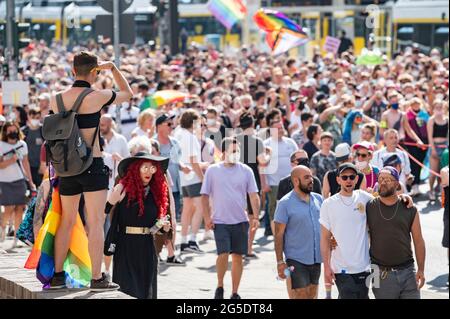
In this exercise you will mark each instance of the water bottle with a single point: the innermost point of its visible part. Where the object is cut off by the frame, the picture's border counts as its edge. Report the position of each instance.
(328, 291)
(287, 272)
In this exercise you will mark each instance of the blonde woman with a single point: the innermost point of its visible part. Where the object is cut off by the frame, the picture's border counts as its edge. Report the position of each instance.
(146, 124)
(437, 128)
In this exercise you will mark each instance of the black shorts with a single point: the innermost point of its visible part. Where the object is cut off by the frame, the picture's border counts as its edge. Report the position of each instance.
(445, 236)
(304, 275)
(352, 286)
(192, 191)
(231, 239)
(95, 178)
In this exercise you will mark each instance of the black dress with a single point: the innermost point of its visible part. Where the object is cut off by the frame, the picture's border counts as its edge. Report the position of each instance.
(135, 262)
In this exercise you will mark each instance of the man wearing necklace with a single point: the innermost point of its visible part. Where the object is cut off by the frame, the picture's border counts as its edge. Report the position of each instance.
(391, 226)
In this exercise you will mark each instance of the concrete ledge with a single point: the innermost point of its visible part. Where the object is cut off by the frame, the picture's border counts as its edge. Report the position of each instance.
(17, 282)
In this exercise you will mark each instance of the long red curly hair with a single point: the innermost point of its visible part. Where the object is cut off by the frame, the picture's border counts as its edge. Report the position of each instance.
(134, 187)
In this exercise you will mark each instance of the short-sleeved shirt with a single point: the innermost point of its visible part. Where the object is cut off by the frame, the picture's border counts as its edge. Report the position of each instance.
(323, 163)
(173, 152)
(190, 146)
(117, 144)
(13, 172)
(280, 162)
(228, 188)
(34, 141)
(346, 219)
(301, 240)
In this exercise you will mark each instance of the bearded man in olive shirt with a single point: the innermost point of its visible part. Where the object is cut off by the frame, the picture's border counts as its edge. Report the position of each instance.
(391, 226)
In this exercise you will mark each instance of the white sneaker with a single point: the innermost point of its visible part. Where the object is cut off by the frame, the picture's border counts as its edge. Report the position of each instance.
(208, 235)
(432, 196)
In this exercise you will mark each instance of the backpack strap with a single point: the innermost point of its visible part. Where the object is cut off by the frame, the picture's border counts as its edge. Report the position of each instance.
(60, 103)
(80, 99)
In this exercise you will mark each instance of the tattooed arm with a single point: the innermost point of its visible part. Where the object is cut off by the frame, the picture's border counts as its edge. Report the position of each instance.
(40, 206)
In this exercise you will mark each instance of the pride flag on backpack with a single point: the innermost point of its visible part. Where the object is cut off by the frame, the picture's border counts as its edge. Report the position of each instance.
(77, 264)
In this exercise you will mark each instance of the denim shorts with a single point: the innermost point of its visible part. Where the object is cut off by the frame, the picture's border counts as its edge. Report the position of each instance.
(231, 239)
(95, 178)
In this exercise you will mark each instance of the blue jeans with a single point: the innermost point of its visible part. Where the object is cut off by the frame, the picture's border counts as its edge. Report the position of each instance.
(178, 205)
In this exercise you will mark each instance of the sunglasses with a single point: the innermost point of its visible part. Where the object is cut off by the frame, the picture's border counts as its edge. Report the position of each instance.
(346, 177)
(361, 155)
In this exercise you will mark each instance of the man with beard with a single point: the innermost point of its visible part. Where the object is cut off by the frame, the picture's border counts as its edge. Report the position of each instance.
(391, 226)
(297, 236)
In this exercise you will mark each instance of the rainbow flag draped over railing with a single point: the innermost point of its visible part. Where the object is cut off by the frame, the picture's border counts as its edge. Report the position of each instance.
(78, 262)
(228, 12)
(283, 34)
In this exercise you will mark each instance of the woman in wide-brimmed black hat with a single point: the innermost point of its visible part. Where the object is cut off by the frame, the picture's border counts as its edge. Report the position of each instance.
(140, 201)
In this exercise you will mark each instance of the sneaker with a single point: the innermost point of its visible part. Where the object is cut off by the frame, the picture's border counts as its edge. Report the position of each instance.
(414, 191)
(219, 293)
(251, 256)
(268, 232)
(103, 284)
(175, 261)
(183, 247)
(432, 196)
(235, 296)
(208, 235)
(193, 248)
(57, 282)
(108, 276)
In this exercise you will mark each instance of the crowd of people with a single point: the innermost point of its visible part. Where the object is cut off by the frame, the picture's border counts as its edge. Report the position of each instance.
(318, 150)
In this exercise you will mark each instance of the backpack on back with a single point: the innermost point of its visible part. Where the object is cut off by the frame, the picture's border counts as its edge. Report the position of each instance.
(66, 148)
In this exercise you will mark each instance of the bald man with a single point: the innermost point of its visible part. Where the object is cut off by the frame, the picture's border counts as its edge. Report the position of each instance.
(115, 144)
(297, 236)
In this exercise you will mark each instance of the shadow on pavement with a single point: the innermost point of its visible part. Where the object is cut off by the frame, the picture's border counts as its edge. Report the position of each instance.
(439, 284)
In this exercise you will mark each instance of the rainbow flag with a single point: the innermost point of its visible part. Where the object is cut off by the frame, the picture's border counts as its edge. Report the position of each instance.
(283, 34)
(228, 12)
(78, 262)
(164, 97)
(217, 155)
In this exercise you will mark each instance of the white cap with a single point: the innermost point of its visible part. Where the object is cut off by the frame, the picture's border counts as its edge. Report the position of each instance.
(342, 152)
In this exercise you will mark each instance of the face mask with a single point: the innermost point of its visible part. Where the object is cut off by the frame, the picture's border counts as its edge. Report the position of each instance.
(219, 108)
(439, 113)
(358, 103)
(211, 122)
(440, 96)
(12, 117)
(409, 96)
(361, 165)
(13, 136)
(415, 74)
(35, 122)
(234, 158)
(395, 106)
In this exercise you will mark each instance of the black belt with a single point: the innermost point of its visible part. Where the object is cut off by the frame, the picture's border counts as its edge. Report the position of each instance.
(395, 268)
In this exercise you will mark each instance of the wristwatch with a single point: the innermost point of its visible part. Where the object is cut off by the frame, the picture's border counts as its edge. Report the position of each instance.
(281, 262)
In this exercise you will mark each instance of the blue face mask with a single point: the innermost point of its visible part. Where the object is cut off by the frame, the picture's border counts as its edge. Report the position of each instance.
(395, 106)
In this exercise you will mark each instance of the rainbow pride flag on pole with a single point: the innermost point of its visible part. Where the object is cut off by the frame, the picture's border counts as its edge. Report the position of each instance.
(164, 97)
(78, 262)
(283, 34)
(228, 12)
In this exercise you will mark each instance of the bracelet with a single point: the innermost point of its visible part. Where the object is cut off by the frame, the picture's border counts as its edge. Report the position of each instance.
(280, 262)
(108, 207)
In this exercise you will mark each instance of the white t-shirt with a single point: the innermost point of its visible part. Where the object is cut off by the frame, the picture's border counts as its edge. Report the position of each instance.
(13, 172)
(296, 119)
(346, 219)
(190, 146)
(128, 118)
(117, 144)
(139, 132)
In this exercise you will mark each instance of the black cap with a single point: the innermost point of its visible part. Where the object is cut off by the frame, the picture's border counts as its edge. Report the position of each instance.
(345, 166)
(165, 117)
(391, 160)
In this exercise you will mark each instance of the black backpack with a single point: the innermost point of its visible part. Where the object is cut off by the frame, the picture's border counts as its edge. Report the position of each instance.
(66, 148)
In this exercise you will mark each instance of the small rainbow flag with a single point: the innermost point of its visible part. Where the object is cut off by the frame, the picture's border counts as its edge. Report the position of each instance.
(78, 262)
(164, 97)
(283, 34)
(228, 12)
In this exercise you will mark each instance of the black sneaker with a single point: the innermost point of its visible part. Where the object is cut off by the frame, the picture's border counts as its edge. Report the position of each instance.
(183, 247)
(175, 261)
(57, 282)
(268, 232)
(193, 247)
(103, 284)
(219, 293)
(235, 296)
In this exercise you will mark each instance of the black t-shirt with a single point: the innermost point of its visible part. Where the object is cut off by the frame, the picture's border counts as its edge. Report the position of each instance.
(310, 148)
(390, 233)
(251, 148)
(286, 186)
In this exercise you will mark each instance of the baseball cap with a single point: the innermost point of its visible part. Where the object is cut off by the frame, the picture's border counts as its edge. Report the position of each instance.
(163, 118)
(364, 144)
(391, 160)
(392, 171)
(346, 166)
(342, 152)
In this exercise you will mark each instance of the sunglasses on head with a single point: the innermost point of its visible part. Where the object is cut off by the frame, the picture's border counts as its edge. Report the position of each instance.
(346, 177)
